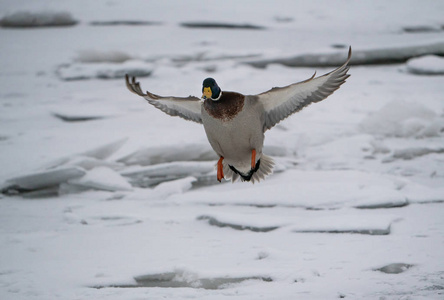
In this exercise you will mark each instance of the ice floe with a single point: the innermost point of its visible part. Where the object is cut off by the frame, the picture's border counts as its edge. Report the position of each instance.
(92, 158)
(426, 65)
(105, 151)
(312, 190)
(347, 223)
(88, 163)
(394, 268)
(422, 28)
(404, 119)
(76, 113)
(182, 278)
(90, 56)
(84, 71)
(342, 221)
(417, 193)
(38, 19)
(156, 155)
(48, 179)
(168, 188)
(359, 57)
(411, 153)
(220, 25)
(123, 22)
(154, 174)
(102, 178)
(42, 179)
(243, 222)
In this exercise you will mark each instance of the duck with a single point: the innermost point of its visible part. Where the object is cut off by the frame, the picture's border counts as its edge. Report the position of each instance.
(235, 124)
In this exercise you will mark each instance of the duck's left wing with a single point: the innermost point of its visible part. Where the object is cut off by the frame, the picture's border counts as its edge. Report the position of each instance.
(279, 103)
(188, 108)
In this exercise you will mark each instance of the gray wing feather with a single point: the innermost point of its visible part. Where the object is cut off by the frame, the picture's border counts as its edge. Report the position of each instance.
(188, 108)
(279, 103)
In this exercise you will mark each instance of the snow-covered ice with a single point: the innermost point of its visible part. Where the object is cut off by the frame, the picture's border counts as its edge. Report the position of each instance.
(106, 197)
(102, 178)
(404, 119)
(426, 65)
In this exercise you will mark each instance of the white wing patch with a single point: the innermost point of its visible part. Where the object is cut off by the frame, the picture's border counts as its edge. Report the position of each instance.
(279, 103)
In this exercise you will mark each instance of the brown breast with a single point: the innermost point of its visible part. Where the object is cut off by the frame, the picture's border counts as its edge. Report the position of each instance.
(227, 107)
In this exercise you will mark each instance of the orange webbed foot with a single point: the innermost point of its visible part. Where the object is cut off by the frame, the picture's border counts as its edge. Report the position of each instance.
(220, 169)
(253, 159)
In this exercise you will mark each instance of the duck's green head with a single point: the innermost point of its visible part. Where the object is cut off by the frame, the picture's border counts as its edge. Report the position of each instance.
(210, 89)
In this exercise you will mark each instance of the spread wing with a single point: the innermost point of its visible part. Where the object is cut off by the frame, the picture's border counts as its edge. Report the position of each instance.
(281, 102)
(187, 108)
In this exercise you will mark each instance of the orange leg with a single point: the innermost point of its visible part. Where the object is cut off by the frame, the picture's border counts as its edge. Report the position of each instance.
(220, 169)
(253, 159)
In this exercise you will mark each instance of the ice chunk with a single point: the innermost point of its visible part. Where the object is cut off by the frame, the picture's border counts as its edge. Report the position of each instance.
(426, 65)
(311, 190)
(76, 118)
(395, 268)
(52, 191)
(181, 278)
(360, 57)
(82, 71)
(152, 175)
(103, 178)
(421, 28)
(169, 188)
(95, 56)
(105, 151)
(123, 22)
(89, 163)
(211, 25)
(378, 146)
(66, 188)
(391, 199)
(91, 158)
(417, 193)
(37, 19)
(113, 220)
(157, 155)
(403, 119)
(82, 113)
(348, 223)
(64, 169)
(240, 223)
(176, 169)
(411, 153)
(43, 179)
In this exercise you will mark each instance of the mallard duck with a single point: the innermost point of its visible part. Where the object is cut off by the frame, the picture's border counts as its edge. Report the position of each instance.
(235, 123)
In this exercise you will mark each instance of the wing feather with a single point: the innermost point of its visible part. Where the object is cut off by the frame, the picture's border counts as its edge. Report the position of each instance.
(281, 102)
(188, 108)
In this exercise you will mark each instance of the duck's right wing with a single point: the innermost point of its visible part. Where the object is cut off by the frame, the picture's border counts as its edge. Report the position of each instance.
(281, 102)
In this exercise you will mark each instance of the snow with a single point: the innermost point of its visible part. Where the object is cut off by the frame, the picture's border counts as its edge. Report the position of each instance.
(106, 197)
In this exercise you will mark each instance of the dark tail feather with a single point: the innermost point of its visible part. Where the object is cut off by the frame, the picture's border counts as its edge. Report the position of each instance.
(264, 167)
(250, 174)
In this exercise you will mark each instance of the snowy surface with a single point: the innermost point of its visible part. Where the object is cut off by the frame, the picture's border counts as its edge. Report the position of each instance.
(106, 197)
